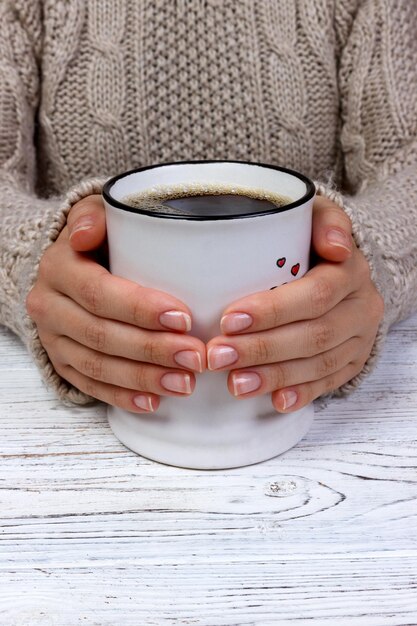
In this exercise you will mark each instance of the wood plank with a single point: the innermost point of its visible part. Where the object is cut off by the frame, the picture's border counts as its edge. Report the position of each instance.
(356, 592)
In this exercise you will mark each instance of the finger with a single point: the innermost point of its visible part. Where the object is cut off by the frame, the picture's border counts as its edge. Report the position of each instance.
(123, 372)
(246, 383)
(112, 297)
(294, 398)
(332, 231)
(120, 339)
(127, 399)
(86, 224)
(316, 293)
(292, 341)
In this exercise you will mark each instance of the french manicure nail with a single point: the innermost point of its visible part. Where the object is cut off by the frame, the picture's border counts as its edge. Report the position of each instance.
(84, 223)
(290, 398)
(190, 359)
(220, 356)
(233, 322)
(143, 402)
(339, 238)
(180, 383)
(176, 320)
(245, 382)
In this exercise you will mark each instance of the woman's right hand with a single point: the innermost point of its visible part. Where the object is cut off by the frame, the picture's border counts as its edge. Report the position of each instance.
(111, 338)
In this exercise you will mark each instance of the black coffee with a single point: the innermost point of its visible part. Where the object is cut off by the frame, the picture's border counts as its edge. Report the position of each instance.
(206, 200)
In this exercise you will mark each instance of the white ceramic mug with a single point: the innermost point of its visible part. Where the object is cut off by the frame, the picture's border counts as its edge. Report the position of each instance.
(208, 262)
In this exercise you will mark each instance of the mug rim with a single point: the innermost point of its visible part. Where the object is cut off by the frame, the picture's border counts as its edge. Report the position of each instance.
(309, 193)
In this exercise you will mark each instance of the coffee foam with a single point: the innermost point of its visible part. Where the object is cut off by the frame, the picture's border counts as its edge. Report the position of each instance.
(152, 199)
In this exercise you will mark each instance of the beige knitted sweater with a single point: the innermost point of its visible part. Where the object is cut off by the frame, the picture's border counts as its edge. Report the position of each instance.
(89, 88)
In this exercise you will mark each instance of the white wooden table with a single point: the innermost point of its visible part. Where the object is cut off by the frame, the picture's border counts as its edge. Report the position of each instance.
(90, 533)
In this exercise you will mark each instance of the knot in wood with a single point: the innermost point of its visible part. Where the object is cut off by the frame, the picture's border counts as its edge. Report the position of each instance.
(281, 488)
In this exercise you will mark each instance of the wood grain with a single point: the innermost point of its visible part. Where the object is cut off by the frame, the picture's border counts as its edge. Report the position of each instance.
(92, 534)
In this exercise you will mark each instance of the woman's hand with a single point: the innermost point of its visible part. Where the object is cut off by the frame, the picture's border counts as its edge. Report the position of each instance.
(109, 337)
(308, 337)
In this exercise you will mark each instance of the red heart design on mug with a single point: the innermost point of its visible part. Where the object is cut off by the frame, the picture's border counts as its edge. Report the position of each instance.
(281, 262)
(295, 269)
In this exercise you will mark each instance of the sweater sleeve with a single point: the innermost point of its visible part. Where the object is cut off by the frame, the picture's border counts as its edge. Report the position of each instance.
(378, 89)
(29, 223)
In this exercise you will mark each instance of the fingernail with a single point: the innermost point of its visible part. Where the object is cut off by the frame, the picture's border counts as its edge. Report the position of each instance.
(220, 356)
(232, 322)
(290, 398)
(143, 402)
(339, 238)
(190, 359)
(177, 320)
(177, 382)
(84, 223)
(245, 382)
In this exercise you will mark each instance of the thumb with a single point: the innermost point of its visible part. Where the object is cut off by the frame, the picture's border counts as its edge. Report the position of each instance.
(332, 231)
(87, 224)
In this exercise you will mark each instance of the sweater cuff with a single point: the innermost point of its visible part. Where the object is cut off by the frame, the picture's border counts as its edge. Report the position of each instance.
(50, 231)
(370, 251)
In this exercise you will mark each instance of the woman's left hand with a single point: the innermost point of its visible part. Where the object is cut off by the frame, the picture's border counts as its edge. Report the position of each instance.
(310, 336)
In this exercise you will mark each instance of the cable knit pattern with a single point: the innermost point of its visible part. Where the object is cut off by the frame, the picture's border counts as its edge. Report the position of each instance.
(290, 140)
(91, 87)
(60, 44)
(106, 83)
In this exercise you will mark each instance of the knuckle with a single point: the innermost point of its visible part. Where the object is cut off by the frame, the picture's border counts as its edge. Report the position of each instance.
(259, 350)
(280, 376)
(327, 363)
(152, 353)
(46, 265)
(378, 306)
(117, 396)
(306, 393)
(52, 346)
(59, 367)
(34, 305)
(355, 367)
(363, 269)
(345, 221)
(141, 379)
(91, 292)
(320, 335)
(96, 336)
(329, 384)
(137, 306)
(93, 367)
(321, 297)
(80, 206)
(91, 389)
(276, 310)
(342, 218)
(83, 207)
(336, 214)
